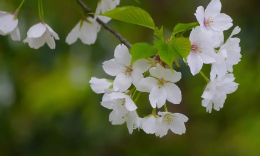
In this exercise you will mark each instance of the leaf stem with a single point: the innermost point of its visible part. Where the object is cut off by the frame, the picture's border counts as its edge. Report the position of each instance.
(154, 111)
(177, 63)
(18, 9)
(138, 95)
(165, 108)
(39, 9)
(205, 77)
(134, 92)
(42, 10)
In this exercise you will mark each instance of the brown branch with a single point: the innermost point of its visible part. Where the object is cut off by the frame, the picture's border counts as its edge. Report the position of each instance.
(107, 27)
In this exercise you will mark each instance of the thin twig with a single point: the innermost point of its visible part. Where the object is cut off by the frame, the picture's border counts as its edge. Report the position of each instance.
(118, 35)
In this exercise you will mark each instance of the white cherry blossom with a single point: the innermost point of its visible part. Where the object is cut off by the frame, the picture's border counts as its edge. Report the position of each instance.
(161, 86)
(9, 25)
(228, 55)
(86, 30)
(159, 125)
(202, 50)
(99, 85)
(212, 19)
(106, 5)
(40, 34)
(216, 92)
(130, 118)
(121, 67)
(173, 121)
(123, 110)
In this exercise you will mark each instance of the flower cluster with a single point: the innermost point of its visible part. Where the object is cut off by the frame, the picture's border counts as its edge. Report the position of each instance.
(39, 34)
(208, 47)
(152, 71)
(133, 78)
(157, 78)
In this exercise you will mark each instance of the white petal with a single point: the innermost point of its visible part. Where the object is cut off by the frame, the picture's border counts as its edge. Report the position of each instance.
(36, 31)
(122, 55)
(217, 38)
(122, 82)
(129, 104)
(213, 73)
(88, 31)
(15, 35)
(168, 75)
(73, 35)
(235, 31)
(181, 117)
(219, 100)
(112, 67)
(36, 43)
(206, 102)
(157, 71)
(130, 123)
(133, 121)
(213, 8)
(200, 15)
(117, 118)
(149, 125)
(137, 76)
(209, 91)
(178, 127)
(208, 55)
(53, 33)
(102, 18)
(208, 106)
(99, 85)
(161, 129)
(142, 65)
(50, 41)
(147, 84)
(221, 70)
(173, 93)
(107, 104)
(157, 97)
(195, 63)
(231, 87)
(222, 22)
(116, 95)
(7, 23)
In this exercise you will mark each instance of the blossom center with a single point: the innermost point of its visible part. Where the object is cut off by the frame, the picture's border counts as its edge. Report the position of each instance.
(208, 22)
(195, 48)
(128, 70)
(168, 119)
(161, 82)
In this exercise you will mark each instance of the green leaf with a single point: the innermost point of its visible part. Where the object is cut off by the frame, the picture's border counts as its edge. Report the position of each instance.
(131, 14)
(182, 45)
(182, 27)
(167, 52)
(142, 50)
(159, 32)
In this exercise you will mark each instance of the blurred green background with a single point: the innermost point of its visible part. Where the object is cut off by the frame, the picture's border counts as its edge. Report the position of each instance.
(48, 109)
